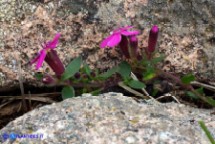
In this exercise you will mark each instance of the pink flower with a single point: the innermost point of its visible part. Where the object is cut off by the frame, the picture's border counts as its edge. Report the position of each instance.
(55, 63)
(49, 55)
(116, 36)
(46, 48)
(129, 46)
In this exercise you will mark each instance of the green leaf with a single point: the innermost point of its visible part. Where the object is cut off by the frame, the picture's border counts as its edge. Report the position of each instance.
(201, 96)
(145, 62)
(192, 95)
(210, 101)
(124, 69)
(200, 90)
(38, 76)
(154, 92)
(149, 74)
(68, 92)
(188, 78)
(109, 73)
(207, 132)
(87, 69)
(136, 84)
(96, 92)
(72, 68)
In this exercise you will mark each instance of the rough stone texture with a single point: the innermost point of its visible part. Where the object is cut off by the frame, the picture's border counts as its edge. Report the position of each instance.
(112, 119)
(187, 33)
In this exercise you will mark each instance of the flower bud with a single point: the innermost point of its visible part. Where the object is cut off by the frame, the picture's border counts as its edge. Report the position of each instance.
(47, 79)
(124, 46)
(93, 74)
(153, 36)
(84, 76)
(139, 57)
(54, 62)
(133, 46)
(77, 75)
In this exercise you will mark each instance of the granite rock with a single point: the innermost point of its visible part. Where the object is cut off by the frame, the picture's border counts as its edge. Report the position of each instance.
(186, 37)
(107, 119)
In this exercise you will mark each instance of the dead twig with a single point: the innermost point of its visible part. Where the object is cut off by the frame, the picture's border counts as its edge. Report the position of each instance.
(21, 86)
(144, 91)
(30, 104)
(133, 76)
(136, 93)
(206, 86)
(35, 98)
(55, 94)
(4, 104)
(168, 95)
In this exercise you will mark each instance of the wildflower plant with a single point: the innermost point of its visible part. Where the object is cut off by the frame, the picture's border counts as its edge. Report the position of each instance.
(137, 71)
(144, 65)
(77, 73)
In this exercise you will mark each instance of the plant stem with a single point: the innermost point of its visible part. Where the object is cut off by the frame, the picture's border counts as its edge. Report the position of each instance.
(81, 85)
(176, 79)
(189, 86)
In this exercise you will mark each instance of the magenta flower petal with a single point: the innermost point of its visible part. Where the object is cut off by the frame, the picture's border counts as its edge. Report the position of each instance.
(41, 59)
(155, 29)
(52, 44)
(116, 37)
(130, 33)
(115, 40)
(105, 41)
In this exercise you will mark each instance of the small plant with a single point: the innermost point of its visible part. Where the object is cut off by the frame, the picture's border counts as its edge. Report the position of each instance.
(207, 132)
(137, 71)
(76, 74)
(144, 65)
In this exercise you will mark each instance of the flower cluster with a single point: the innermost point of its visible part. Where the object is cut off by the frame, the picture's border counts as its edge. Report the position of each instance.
(136, 72)
(128, 43)
(125, 39)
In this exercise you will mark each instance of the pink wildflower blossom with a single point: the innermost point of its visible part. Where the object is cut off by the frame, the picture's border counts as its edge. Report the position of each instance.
(49, 55)
(46, 48)
(116, 36)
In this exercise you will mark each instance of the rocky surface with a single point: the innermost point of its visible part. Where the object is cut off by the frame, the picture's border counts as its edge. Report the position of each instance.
(110, 118)
(187, 33)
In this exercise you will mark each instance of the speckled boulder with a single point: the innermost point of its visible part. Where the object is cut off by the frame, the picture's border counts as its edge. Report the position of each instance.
(110, 119)
(186, 37)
